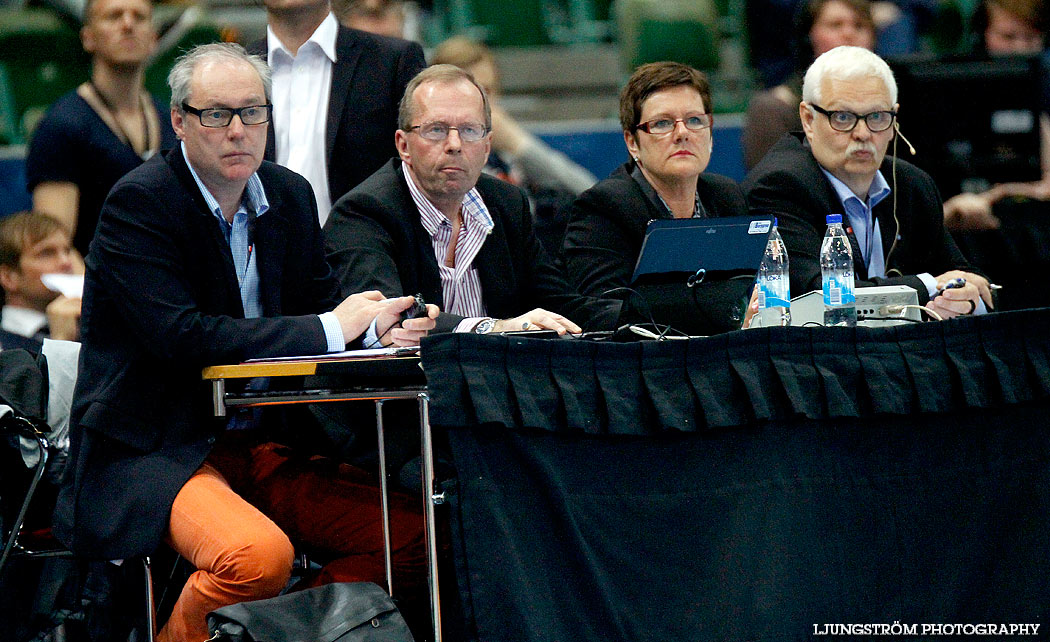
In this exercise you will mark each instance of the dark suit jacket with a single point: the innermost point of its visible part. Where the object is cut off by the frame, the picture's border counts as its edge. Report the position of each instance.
(368, 80)
(375, 241)
(161, 301)
(607, 224)
(788, 184)
(12, 341)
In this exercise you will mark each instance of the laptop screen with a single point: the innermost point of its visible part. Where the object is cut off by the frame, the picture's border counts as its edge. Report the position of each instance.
(702, 248)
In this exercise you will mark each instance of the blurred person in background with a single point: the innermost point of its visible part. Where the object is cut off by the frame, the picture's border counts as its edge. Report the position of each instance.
(383, 17)
(108, 126)
(665, 112)
(551, 178)
(820, 25)
(335, 96)
(1006, 28)
(32, 245)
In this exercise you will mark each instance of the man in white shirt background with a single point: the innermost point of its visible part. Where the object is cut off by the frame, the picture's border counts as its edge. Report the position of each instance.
(335, 95)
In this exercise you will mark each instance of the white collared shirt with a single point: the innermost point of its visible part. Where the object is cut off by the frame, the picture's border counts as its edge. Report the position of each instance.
(24, 322)
(302, 84)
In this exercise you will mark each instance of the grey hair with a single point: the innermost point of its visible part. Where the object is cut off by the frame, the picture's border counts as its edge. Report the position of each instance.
(439, 74)
(182, 73)
(846, 63)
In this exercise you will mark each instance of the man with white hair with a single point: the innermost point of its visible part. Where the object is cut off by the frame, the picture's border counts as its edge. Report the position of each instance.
(838, 165)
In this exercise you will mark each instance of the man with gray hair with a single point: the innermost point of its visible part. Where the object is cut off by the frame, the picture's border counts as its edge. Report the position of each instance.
(209, 255)
(838, 164)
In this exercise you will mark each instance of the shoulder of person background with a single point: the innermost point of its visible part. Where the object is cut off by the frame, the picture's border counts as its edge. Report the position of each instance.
(767, 119)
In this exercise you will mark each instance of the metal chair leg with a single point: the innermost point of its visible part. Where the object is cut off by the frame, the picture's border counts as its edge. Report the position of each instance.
(430, 516)
(384, 500)
(151, 606)
(38, 473)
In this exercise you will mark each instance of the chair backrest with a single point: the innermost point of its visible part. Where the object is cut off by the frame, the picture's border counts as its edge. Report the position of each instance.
(690, 42)
(23, 395)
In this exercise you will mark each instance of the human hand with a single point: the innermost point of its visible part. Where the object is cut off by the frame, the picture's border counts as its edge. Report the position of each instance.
(978, 281)
(356, 312)
(538, 319)
(970, 212)
(405, 333)
(752, 309)
(63, 318)
(1038, 190)
(955, 301)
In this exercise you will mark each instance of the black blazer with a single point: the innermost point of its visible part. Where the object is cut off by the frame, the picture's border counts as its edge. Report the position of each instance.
(375, 241)
(161, 301)
(607, 225)
(368, 79)
(789, 184)
(12, 341)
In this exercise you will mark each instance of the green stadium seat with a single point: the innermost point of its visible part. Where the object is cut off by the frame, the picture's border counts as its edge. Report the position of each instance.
(951, 28)
(43, 60)
(689, 42)
(511, 23)
(10, 122)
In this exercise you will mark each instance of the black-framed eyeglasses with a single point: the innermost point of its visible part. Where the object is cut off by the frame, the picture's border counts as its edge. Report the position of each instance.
(468, 132)
(845, 121)
(661, 126)
(223, 116)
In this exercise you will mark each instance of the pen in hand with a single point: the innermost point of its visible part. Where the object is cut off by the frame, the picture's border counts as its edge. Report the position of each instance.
(950, 285)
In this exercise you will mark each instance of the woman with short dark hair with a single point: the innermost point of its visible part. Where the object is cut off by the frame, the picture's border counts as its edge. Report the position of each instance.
(665, 112)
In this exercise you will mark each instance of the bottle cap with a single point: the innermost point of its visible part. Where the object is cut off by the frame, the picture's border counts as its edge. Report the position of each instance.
(834, 218)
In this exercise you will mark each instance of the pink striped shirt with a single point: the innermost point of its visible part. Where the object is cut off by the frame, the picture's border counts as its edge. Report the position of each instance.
(460, 285)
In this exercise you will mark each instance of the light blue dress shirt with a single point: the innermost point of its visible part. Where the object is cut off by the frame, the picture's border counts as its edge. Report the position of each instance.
(245, 260)
(869, 236)
(865, 226)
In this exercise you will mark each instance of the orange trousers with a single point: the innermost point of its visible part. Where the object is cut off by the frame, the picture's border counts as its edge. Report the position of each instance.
(236, 517)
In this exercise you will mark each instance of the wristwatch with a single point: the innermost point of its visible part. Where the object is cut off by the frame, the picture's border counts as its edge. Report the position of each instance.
(485, 326)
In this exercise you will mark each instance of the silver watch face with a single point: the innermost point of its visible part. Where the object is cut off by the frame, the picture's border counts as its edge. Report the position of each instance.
(485, 326)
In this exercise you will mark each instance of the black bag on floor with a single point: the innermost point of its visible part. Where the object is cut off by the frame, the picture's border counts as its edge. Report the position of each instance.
(345, 611)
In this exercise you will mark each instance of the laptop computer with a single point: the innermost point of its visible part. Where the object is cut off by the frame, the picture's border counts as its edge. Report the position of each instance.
(697, 249)
(695, 274)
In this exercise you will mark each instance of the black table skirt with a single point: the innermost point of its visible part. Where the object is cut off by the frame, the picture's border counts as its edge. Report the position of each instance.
(752, 485)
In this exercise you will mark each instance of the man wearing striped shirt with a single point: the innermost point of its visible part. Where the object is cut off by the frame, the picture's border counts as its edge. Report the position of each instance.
(431, 223)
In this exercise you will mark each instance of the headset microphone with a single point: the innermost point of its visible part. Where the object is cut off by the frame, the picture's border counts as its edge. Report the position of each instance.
(897, 128)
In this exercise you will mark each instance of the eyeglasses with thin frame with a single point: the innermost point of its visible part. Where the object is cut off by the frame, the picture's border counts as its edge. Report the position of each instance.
(663, 126)
(437, 131)
(845, 121)
(223, 116)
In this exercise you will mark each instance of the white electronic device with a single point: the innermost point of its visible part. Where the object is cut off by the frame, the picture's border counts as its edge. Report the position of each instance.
(871, 302)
